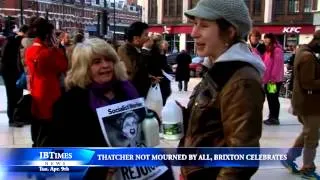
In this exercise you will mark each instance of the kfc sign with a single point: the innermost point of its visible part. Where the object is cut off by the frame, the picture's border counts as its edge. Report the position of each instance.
(291, 30)
(166, 30)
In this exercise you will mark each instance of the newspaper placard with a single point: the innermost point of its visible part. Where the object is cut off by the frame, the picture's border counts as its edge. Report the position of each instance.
(121, 126)
(121, 123)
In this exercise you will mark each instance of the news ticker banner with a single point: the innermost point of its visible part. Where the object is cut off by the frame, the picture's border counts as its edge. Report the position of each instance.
(75, 159)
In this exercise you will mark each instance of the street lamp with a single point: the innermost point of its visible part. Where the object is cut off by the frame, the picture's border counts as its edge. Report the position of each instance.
(114, 21)
(105, 18)
(21, 12)
(47, 14)
(98, 23)
(37, 6)
(62, 24)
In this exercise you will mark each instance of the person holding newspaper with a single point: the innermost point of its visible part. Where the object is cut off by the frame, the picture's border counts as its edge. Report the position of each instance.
(97, 79)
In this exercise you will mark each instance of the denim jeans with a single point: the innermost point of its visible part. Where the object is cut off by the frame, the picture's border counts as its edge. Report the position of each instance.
(307, 140)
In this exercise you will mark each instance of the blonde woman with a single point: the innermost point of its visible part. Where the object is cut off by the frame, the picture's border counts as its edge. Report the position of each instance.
(97, 78)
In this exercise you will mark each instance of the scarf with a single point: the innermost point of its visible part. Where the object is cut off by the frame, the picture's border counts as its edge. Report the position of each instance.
(97, 92)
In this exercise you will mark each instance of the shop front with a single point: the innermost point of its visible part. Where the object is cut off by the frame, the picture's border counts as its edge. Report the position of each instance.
(289, 36)
(179, 36)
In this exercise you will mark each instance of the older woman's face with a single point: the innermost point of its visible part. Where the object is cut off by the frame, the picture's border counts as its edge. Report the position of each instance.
(164, 46)
(102, 70)
(206, 36)
(254, 39)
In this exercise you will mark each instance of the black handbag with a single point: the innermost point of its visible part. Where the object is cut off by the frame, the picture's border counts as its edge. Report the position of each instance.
(22, 112)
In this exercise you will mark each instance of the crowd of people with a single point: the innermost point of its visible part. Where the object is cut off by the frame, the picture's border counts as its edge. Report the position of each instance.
(69, 79)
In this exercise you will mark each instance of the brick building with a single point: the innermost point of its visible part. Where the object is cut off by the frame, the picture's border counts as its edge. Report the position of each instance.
(290, 20)
(75, 14)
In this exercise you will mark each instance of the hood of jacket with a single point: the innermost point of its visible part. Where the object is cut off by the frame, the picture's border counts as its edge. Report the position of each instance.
(241, 52)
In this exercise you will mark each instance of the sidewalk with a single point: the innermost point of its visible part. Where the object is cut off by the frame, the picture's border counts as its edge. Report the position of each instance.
(273, 136)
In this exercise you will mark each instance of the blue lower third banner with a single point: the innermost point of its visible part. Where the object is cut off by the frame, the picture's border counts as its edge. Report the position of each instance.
(73, 160)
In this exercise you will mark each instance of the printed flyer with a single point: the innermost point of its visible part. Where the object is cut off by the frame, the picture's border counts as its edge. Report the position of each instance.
(121, 126)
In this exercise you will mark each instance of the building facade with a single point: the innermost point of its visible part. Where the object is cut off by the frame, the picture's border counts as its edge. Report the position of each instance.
(90, 15)
(316, 18)
(290, 20)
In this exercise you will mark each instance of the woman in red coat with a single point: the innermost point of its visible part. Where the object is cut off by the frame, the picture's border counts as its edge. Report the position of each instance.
(45, 64)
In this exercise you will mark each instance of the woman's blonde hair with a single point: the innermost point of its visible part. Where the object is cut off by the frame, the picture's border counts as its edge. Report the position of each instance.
(81, 61)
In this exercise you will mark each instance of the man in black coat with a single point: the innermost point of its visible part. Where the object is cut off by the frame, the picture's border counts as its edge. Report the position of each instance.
(157, 64)
(130, 54)
(12, 69)
(183, 70)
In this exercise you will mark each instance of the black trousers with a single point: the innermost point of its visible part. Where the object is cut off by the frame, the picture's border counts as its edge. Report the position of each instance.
(185, 85)
(40, 129)
(165, 88)
(14, 94)
(273, 102)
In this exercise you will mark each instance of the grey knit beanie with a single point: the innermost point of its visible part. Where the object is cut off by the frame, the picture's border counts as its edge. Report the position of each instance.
(234, 11)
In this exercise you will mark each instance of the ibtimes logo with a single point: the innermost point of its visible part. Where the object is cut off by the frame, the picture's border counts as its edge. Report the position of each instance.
(55, 161)
(55, 156)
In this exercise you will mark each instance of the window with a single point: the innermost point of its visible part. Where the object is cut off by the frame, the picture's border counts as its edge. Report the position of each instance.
(247, 3)
(192, 3)
(308, 6)
(120, 5)
(278, 7)
(172, 8)
(179, 8)
(165, 7)
(293, 6)
(153, 8)
(97, 1)
(257, 7)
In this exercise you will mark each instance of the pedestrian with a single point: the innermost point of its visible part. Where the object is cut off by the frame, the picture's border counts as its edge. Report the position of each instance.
(12, 69)
(273, 59)
(205, 66)
(130, 54)
(225, 109)
(147, 56)
(183, 70)
(78, 37)
(97, 78)
(256, 45)
(146, 49)
(158, 65)
(290, 68)
(305, 104)
(45, 63)
(27, 41)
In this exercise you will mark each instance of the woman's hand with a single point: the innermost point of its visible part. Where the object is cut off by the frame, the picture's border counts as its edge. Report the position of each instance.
(155, 80)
